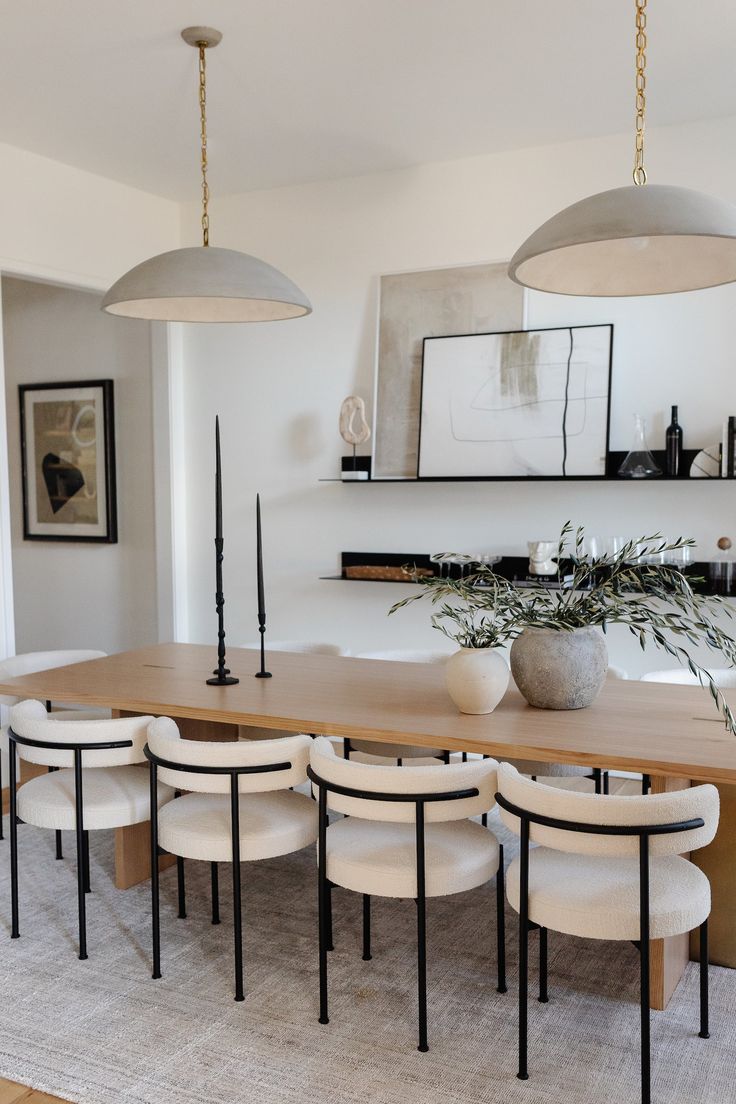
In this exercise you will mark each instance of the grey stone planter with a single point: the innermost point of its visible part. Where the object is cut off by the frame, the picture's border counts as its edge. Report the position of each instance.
(555, 669)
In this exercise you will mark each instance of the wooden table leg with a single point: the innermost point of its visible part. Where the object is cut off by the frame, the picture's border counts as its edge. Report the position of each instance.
(133, 843)
(717, 861)
(668, 957)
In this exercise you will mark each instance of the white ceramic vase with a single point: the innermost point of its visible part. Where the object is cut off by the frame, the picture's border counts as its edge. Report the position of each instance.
(477, 679)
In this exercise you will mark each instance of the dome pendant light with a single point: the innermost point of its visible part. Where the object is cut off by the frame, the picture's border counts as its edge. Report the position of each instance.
(644, 239)
(205, 283)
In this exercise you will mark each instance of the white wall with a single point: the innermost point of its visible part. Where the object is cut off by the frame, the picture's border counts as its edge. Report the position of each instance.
(76, 595)
(71, 227)
(278, 387)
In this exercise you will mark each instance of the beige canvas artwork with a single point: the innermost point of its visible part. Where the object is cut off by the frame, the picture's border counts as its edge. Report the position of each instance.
(413, 305)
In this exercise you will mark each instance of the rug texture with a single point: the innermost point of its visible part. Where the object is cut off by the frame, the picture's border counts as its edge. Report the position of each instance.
(103, 1032)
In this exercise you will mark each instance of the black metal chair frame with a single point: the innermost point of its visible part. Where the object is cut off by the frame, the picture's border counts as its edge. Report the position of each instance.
(324, 902)
(155, 762)
(644, 832)
(81, 833)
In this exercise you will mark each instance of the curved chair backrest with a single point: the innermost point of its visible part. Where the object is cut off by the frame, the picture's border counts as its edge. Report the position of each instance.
(306, 647)
(595, 809)
(722, 676)
(373, 778)
(31, 662)
(615, 672)
(29, 719)
(407, 655)
(165, 742)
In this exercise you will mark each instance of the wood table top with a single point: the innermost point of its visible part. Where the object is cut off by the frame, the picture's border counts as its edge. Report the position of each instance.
(646, 727)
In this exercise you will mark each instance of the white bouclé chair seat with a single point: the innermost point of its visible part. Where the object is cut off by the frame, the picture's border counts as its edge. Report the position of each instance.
(598, 898)
(379, 858)
(113, 797)
(197, 825)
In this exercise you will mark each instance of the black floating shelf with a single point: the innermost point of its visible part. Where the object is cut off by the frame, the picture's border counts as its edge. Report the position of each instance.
(613, 463)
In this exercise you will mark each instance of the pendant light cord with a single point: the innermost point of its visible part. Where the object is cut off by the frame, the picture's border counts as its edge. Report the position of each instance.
(203, 142)
(640, 175)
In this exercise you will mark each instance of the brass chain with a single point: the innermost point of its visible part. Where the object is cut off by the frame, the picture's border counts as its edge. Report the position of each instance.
(203, 142)
(640, 175)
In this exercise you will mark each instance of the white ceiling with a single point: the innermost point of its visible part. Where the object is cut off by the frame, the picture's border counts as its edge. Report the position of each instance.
(305, 90)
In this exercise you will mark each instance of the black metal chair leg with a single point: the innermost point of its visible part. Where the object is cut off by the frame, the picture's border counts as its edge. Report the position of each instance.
(644, 980)
(237, 901)
(346, 748)
(79, 828)
(367, 956)
(215, 882)
(155, 917)
(704, 1032)
(87, 885)
(59, 852)
(421, 901)
(543, 994)
(500, 925)
(328, 927)
(597, 780)
(322, 905)
(181, 888)
(14, 930)
(606, 781)
(465, 757)
(484, 820)
(399, 762)
(645, 784)
(523, 1073)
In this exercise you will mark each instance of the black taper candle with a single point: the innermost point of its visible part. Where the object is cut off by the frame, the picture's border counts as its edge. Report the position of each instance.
(263, 673)
(218, 482)
(222, 676)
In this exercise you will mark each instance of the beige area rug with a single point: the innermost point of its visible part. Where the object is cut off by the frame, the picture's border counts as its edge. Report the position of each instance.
(102, 1032)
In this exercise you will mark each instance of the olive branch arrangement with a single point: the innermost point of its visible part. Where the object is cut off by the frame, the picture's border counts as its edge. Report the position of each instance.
(631, 587)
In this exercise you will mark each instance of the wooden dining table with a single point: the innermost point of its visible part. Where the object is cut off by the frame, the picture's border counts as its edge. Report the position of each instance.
(672, 733)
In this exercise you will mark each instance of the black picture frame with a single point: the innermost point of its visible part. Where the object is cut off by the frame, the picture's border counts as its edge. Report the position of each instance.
(535, 476)
(52, 487)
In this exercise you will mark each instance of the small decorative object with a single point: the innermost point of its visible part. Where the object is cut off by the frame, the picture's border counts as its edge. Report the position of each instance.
(67, 436)
(721, 567)
(387, 573)
(354, 430)
(529, 403)
(560, 670)
(673, 445)
(221, 673)
(476, 679)
(540, 557)
(558, 654)
(728, 447)
(639, 462)
(263, 673)
(476, 676)
(707, 463)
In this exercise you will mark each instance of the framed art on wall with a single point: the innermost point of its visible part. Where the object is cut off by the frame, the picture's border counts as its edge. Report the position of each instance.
(519, 404)
(67, 435)
(415, 305)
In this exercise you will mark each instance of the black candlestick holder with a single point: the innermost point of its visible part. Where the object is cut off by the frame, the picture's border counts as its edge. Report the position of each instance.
(263, 673)
(222, 676)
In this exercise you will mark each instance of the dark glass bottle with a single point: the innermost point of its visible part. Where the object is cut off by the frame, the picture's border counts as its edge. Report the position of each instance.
(673, 445)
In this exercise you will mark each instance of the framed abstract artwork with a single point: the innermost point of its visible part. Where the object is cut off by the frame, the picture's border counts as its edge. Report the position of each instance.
(67, 434)
(415, 305)
(519, 404)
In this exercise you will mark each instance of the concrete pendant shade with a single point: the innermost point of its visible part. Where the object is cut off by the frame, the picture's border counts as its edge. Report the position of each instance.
(206, 284)
(644, 240)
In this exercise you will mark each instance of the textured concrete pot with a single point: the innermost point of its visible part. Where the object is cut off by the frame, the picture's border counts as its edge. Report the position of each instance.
(476, 679)
(560, 670)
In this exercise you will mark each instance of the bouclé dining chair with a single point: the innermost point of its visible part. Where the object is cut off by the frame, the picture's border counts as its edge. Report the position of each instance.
(95, 781)
(607, 868)
(239, 807)
(406, 833)
(29, 663)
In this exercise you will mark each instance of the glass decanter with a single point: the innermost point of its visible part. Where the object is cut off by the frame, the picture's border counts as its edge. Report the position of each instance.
(639, 462)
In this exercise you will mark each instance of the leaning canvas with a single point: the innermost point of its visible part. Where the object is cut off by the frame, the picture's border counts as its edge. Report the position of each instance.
(528, 403)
